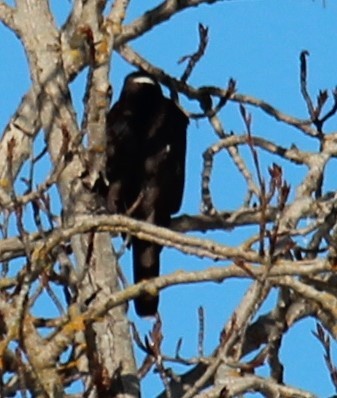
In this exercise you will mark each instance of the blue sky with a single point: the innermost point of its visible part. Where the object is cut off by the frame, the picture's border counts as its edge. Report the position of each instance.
(256, 42)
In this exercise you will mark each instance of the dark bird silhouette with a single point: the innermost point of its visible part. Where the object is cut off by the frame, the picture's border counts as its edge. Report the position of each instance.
(146, 147)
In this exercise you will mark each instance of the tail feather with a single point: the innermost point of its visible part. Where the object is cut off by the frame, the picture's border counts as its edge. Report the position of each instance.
(145, 266)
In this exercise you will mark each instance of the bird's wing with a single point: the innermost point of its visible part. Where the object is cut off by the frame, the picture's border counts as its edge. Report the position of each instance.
(122, 152)
(177, 123)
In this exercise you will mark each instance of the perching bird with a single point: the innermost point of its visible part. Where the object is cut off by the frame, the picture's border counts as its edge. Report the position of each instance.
(146, 147)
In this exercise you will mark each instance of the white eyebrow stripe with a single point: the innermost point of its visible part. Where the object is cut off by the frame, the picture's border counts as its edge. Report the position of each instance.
(144, 79)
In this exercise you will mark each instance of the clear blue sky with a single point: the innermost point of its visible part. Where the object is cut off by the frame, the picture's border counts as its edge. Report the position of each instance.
(256, 42)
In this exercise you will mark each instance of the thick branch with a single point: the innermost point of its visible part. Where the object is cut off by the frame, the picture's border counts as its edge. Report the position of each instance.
(7, 16)
(156, 16)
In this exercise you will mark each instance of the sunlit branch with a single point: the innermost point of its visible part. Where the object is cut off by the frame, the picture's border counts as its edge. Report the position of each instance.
(7, 14)
(156, 16)
(197, 93)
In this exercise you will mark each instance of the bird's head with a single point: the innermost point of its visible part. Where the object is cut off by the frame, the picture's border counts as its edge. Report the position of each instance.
(142, 86)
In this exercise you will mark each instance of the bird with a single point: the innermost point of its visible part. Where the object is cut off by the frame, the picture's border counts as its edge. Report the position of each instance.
(145, 167)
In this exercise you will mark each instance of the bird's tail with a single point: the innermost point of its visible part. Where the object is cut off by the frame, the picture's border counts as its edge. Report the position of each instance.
(145, 266)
